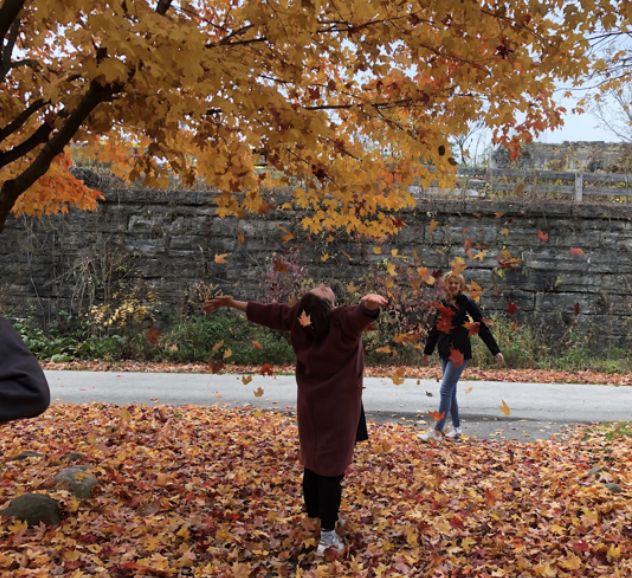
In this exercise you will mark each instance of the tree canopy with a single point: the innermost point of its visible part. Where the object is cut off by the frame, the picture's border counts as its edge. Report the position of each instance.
(351, 100)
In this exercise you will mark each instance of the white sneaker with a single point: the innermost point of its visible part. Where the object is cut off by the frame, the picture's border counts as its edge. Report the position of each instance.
(329, 539)
(433, 434)
(454, 433)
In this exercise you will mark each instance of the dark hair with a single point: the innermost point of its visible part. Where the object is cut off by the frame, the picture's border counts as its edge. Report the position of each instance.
(318, 310)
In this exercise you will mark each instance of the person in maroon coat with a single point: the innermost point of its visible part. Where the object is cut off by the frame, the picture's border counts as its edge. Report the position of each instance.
(327, 341)
(24, 390)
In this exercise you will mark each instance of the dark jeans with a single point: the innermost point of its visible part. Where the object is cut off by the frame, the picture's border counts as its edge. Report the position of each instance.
(322, 496)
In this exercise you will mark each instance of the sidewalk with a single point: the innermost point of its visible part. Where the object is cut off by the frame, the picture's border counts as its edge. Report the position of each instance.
(537, 408)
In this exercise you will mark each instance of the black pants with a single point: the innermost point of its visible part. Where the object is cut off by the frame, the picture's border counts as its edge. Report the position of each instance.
(322, 496)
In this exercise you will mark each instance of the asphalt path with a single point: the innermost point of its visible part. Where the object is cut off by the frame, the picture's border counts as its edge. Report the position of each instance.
(536, 410)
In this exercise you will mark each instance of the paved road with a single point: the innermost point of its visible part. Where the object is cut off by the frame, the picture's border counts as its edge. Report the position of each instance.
(537, 410)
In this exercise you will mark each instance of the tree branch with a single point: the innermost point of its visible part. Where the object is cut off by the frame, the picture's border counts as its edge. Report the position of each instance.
(21, 118)
(163, 6)
(13, 188)
(39, 137)
(8, 13)
(7, 51)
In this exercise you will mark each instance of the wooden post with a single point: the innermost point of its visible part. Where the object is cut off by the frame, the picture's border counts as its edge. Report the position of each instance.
(579, 187)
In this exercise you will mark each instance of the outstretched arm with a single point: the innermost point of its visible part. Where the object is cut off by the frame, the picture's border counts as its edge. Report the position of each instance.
(224, 301)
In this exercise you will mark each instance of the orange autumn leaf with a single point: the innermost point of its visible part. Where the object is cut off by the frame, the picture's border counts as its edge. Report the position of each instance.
(542, 236)
(505, 408)
(256, 344)
(220, 259)
(304, 319)
(398, 376)
(472, 327)
(258, 392)
(246, 379)
(266, 369)
(384, 349)
(152, 335)
(433, 225)
(217, 346)
(576, 252)
(436, 416)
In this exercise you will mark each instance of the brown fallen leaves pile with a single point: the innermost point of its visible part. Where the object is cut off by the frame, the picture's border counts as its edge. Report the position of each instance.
(207, 491)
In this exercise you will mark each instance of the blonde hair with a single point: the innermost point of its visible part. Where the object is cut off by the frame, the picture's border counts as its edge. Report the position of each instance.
(452, 275)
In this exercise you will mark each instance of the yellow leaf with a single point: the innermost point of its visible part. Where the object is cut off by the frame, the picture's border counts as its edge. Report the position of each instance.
(304, 319)
(504, 231)
(398, 376)
(614, 552)
(325, 257)
(391, 270)
(241, 237)
(228, 353)
(351, 288)
(433, 225)
(377, 250)
(258, 392)
(571, 562)
(505, 408)
(217, 346)
(246, 379)
(458, 265)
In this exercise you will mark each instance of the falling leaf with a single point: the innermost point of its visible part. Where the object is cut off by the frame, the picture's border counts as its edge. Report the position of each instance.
(241, 237)
(215, 366)
(468, 389)
(480, 256)
(458, 265)
(394, 252)
(266, 369)
(221, 259)
(499, 214)
(152, 335)
(256, 344)
(511, 308)
(258, 392)
(246, 379)
(472, 327)
(227, 353)
(304, 319)
(217, 346)
(433, 225)
(384, 349)
(436, 416)
(576, 252)
(377, 250)
(351, 288)
(429, 393)
(398, 376)
(287, 235)
(505, 408)
(542, 236)
(280, 266)
(325, 257)
(504, 231)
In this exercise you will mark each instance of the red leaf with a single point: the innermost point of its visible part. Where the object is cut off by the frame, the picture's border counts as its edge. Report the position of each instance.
(435, 415)
(511, 309)
(576, 252)
(266, 369)
(152, 335)
(576, 308)
(542, 236)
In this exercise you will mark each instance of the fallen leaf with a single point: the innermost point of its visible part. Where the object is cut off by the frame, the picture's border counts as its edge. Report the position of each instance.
(246, 379)
(505, 408)
(258, 392)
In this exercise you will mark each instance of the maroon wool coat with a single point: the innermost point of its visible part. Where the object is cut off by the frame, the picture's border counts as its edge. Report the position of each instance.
(329, 380)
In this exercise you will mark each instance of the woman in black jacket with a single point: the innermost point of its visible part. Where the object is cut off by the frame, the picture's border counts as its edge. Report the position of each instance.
(450, 334)
(24, 390)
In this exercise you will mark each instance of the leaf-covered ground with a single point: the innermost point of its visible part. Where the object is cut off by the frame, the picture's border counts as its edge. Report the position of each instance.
(471, 373)
(207, 491)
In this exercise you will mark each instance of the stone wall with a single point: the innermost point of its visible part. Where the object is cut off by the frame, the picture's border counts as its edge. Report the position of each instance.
(167, 240)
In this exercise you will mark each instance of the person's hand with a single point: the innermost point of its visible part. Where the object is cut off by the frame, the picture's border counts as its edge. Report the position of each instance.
(425, 360)
(500, 359)
(374, 301)
(217, 302)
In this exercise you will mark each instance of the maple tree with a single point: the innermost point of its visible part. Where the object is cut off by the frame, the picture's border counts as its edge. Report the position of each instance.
(317, 90)
(211, 491)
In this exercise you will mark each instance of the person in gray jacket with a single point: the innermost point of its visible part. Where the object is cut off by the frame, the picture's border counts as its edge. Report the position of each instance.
(24, 390)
